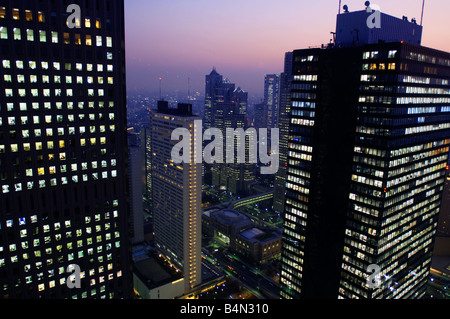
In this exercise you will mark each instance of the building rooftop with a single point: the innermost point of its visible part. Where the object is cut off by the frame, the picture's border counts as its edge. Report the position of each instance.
(373, 26)
(154, 273)
(257, 234)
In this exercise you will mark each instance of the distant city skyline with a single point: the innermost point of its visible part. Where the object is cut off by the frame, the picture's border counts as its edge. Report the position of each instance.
(181, 40)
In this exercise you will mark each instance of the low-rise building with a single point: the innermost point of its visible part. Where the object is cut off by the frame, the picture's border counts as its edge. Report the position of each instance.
(242, 236)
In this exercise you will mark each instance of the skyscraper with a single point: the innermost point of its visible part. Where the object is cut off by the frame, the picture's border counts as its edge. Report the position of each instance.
(226, 107)
(271, 98)
(136, 181)
(177, 193)
(63, 151)
(283, 126)
(368, 147)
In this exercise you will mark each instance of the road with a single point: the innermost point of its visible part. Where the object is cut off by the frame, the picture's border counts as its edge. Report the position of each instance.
(247, 276)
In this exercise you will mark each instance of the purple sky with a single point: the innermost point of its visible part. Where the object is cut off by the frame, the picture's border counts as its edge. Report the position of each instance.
(243, 39)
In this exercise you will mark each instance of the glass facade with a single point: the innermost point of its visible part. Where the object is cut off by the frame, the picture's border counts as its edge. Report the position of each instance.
(62, 147)
(177, 197)
(396, 106)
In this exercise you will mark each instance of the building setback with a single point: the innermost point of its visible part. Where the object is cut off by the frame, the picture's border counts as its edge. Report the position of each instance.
(368, 146)
(63, 151)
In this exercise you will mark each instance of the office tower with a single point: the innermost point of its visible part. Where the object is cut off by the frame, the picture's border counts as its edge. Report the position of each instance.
(444, 215)
(260, 116)
(176, 193)
(136, 181)
(226, 107)
(271, 98)
(283, 126)
(148, 169)
(368, 147)
(63, 151)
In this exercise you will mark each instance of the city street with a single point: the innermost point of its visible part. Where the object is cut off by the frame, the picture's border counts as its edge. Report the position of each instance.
(247, 275)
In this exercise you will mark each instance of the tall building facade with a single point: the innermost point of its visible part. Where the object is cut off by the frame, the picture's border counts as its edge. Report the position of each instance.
(368, 146)
(283, 125)
(444, 217)
(271, 98)
(136, 181)
(226, 107)
(177, 193)
(63, 151)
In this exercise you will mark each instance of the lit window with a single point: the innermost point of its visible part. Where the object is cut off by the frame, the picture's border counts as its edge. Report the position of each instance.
(109, 42)
(66, 38)
(17, 34)
(3, 33)
(54, 37)
(77, 39)
(30, 35)
(87, 22)
(15, 14)
(99, 40)
(6, 64)
(28, 15)
(2, 12)
(88, 40)
(41, 16)
(98, 24)
(42, 36)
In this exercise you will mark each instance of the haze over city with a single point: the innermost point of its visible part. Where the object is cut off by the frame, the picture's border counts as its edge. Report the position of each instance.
(243, 40)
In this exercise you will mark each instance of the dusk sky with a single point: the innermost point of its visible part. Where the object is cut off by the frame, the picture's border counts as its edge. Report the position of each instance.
(243, 39)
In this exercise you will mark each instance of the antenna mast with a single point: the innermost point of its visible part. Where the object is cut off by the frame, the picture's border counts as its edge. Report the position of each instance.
(340, 1)
(189, 89)
(160, 80)
(423, 8)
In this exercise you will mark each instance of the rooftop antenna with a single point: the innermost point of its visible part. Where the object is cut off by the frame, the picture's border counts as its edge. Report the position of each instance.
(160, 80)
(340, 2)
(423, 8)
(189, 89)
